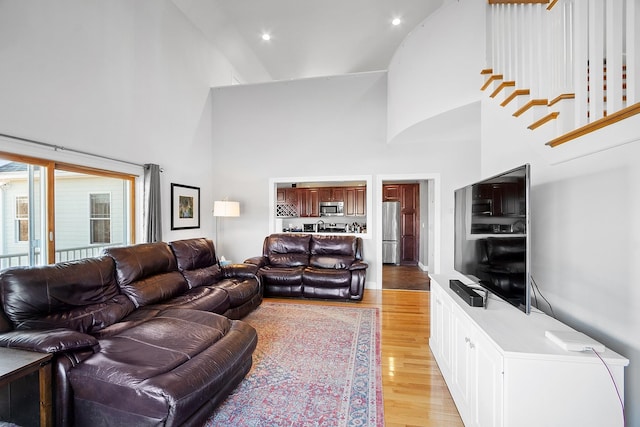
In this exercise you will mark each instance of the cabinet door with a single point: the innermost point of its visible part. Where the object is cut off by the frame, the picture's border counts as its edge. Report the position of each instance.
(313, 207)
(291, 195)
(337, 194)
(391, 193)
(441, 327)
(308, 205)
(462, 362)
(325, 194)
(355, 199)
(361, 202)
(487, 402)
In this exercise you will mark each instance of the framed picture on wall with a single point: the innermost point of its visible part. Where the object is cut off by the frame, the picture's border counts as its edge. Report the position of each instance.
(185, 207)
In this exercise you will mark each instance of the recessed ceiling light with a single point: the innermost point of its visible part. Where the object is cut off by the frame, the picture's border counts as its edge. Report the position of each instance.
(396, 21)
(266, 37)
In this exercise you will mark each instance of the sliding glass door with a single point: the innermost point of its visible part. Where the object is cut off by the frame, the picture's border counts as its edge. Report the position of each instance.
(22, 214)
(55, 212)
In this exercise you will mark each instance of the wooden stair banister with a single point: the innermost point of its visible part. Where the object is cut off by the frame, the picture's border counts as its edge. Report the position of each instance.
(597, 124)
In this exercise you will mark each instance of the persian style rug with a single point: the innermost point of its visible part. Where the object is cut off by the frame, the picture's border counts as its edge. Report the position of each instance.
(314, 366)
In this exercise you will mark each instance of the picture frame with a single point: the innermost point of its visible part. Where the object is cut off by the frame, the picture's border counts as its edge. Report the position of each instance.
(185, 207)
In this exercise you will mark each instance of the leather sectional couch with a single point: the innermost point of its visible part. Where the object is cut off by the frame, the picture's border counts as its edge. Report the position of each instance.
(144, 335)
(312, 266)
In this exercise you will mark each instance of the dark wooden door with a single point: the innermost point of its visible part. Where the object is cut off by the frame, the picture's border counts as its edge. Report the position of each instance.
(409, 197)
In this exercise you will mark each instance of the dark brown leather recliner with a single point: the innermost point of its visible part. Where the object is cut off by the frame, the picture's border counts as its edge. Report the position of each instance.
(312, 266)
(134, 341)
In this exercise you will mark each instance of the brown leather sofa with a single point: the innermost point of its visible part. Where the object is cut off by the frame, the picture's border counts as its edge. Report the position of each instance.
(140, 335)
(312, 266)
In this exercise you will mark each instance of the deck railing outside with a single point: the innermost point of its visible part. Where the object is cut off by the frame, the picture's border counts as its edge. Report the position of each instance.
(68, 254)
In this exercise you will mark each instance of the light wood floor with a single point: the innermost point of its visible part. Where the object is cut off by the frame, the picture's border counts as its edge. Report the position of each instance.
(415, 393)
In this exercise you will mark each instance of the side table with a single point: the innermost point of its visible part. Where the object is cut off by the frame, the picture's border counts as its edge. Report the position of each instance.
(16, 364)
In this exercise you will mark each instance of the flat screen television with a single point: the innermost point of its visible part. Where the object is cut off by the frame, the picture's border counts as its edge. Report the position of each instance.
(492, 235)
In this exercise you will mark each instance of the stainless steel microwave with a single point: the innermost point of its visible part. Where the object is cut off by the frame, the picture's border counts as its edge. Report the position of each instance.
(331, 208)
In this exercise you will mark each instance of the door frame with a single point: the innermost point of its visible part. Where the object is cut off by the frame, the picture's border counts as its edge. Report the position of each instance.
(434, 221)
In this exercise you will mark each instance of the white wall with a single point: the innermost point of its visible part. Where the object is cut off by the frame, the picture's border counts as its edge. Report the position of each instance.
(125, 79)
(434, 74)
(333, 126)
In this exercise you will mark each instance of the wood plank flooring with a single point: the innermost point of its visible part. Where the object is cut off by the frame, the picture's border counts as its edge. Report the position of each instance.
(415, 394)
(409, 277)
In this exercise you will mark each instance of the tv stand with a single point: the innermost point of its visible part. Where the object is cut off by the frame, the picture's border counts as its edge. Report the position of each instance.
(501, 370)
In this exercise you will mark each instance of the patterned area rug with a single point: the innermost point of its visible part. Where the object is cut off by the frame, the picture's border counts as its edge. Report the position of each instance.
(314, 366)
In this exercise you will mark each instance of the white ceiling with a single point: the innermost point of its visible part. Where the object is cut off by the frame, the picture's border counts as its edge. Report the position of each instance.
(309, 38)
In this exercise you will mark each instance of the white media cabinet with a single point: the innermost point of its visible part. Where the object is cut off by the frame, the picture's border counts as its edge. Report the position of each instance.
(502, 371)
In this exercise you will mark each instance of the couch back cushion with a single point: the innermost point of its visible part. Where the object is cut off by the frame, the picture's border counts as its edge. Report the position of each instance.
(287, 250)
(197, 261)
(147, 273)
(334, 251)
(82, 295)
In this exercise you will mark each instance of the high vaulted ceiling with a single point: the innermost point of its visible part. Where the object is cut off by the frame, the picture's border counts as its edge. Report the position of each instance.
(309, 38)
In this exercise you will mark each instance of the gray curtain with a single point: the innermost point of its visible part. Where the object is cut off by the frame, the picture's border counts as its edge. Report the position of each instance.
(152, 206)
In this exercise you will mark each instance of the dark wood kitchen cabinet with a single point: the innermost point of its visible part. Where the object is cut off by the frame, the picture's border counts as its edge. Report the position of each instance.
(332, 194)
(409, 197)
(287, 195)
(308, 202)
(355, 201)
(391, 193)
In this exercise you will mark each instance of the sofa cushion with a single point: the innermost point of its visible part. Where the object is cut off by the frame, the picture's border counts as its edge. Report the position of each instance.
(337, 252)
(147, 273)
(285, 250)
(286, 281)
(81, 295)
(239, 291)
(162, 371)
(196, 259)
(326, 283)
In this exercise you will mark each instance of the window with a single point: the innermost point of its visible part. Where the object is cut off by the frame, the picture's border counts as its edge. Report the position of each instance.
(54, 212)
(100, 218)
(22, 219)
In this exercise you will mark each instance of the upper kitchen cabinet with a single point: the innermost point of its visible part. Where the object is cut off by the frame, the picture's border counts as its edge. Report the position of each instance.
(308, 202)
(287, 195)
(287, 202)
(332, 194)
(391, 193)
(355, 201)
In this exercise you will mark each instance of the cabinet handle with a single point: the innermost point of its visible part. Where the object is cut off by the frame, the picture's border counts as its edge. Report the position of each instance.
(467, 339)
(472, 345)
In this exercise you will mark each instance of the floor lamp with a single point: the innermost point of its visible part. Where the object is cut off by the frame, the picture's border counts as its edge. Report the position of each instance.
(221, 209)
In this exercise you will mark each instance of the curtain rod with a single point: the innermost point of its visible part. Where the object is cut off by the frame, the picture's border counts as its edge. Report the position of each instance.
(72, 150)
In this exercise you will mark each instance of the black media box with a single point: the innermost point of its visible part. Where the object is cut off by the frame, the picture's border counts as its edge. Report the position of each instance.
(466, 293)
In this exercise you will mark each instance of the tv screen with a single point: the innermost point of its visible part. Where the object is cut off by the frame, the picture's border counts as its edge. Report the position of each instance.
(492, 229)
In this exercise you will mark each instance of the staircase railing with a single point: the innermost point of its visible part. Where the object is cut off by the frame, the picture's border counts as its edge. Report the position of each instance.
(572, 62)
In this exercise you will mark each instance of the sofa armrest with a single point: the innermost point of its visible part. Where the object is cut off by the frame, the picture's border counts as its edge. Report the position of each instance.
(242, 271)
(260, 261)
(48, 341)
(359, 265)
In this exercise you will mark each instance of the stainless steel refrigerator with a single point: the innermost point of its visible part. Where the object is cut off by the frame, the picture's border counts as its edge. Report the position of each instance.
(391, 233)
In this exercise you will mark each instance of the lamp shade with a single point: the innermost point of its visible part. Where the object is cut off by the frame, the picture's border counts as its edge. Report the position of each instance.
(226, 208)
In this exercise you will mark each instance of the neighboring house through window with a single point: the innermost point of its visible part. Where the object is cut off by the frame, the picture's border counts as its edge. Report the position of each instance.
(22, 218)
(100, 217)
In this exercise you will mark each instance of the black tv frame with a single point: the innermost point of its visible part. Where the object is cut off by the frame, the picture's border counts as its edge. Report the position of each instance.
(475, 221)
